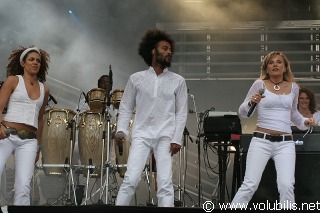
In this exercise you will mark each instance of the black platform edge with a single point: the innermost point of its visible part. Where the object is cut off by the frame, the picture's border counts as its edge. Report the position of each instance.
(101, 208)
(119, 209)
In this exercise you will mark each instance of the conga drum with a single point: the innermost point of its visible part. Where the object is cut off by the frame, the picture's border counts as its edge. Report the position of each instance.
(90, 130)
(56, 139)
(96, 97)
(116, 96)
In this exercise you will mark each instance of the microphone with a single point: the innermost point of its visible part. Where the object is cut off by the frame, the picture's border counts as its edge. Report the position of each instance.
(69, 125)
(253, 105)
(191, 111)
(111, 78)
(53, 99)
(186, 133)
(190, 95)
(120, 136)
(8, 131)
(85, 97)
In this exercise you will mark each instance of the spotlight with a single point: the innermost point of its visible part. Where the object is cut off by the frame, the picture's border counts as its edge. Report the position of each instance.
(70, 12)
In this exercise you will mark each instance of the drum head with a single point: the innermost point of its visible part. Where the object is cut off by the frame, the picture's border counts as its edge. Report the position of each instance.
(96, 97)
(116, 97)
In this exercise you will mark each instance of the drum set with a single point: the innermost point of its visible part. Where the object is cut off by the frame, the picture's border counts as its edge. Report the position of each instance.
(92, 130)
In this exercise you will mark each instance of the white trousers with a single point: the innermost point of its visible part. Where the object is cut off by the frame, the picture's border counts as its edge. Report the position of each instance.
(260, 151)
(25, 152)
(139, 153)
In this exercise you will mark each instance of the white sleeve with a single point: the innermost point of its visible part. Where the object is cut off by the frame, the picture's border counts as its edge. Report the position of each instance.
(244, 107)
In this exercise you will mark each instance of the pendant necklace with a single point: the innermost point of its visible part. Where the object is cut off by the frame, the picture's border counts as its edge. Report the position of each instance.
(276, 86)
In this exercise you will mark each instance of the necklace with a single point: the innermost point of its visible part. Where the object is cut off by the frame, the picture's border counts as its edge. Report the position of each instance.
(276, 86)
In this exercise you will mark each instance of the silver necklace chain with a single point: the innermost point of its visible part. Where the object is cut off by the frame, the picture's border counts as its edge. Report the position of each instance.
(276, 86)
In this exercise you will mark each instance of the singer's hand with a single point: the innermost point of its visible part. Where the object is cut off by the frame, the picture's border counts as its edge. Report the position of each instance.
(311, 122)
(3, 135)
(256, 98)
(174, 148)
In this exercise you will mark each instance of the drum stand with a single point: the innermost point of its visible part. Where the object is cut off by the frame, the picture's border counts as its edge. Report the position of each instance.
(71, 181)
(105, 105)
(65, 166)
(147, 171)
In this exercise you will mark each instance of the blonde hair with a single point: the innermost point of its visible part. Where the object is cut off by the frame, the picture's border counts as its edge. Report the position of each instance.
(287, 75)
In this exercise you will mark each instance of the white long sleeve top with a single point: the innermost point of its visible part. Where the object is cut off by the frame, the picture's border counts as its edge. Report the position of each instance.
(275, 111)
(160, 104)
(316, 116)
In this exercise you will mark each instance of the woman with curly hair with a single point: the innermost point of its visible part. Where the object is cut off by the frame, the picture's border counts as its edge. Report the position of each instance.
(307, 104)
(26, 96)
(160, 99)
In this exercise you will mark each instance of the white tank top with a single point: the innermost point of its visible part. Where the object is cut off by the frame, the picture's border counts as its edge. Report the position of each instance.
(21, 109)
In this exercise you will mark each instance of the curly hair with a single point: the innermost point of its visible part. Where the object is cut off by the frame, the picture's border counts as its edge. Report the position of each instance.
(150, 40)
(287, 76)
(14, 67)
(311, 96)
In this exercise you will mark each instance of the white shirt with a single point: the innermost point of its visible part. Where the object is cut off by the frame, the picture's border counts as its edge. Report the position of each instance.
(160, 102)
(316, 116)
(275, 111)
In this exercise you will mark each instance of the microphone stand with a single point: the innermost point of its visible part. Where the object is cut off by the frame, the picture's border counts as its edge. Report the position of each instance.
(182, 158)
(199, 151)
(105, 106)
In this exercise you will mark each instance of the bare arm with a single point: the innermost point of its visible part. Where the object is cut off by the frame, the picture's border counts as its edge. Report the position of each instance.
(6, 90)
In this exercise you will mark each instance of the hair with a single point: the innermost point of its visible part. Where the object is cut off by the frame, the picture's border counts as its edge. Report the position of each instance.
(287, 76)
(14, 67)
(150, 40)
(311, 96)
(101, 77)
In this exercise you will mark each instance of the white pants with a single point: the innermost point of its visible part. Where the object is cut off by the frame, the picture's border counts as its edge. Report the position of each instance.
(260, 151)
(3, 187)
(139, 152)
(25, 152)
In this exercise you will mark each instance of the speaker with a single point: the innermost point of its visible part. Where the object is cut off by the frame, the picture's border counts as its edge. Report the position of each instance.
(307, 180)
(227, 124)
